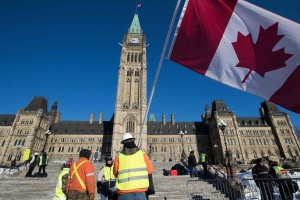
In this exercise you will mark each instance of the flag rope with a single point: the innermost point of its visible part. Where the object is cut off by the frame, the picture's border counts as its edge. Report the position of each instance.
(158, 69)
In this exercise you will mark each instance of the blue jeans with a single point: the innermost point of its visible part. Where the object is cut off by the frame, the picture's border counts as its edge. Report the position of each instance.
(193, 171)
(133, 196)
(107, 193)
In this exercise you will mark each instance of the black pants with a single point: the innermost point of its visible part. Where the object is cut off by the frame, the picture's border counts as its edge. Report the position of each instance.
(30, 170)
(285, 190)
(266, 190)
(204, 165)
(42, 167)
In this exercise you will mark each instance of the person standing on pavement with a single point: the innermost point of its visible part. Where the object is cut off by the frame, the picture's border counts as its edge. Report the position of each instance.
(43, 163)
(131, 168)
(260, 171)
(106, 180)
(33, 162)
(204, 161)
(60, 190)
(192, 164)
(275, 171)
(81, 179)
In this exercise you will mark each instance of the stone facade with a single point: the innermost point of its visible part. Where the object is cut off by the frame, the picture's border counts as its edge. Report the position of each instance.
(269, 134)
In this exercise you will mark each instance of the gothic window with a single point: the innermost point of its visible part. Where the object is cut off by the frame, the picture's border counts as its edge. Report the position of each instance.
(137, 73)
(140, 56)
(165, 149)
(296, 152)
(10, 156)
(19, 143)
(253, 142)
(260, 142)
(132, 57)
(241, 132)
(250, 142)
(135, 58)
(246, 154)
(287, 131)
(69, 149)
(243, 142)
(130, 125)
(62, 149)
(59, 149)
(15, 144)
(254, 154)
(161, 149)
(237, 154)
(269, 153)
(128, 57)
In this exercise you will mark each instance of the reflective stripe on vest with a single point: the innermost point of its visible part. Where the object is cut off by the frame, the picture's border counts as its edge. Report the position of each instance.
(280, 172)
(58, 191)
(132, 172)
(77, 175)
(41, 160)
(203, 157)
(108, 173)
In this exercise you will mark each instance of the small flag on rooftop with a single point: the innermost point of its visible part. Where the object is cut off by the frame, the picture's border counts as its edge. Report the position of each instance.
(139, 5)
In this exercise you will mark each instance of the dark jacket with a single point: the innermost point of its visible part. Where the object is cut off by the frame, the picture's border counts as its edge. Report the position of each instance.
(259, 171)
(192, 160)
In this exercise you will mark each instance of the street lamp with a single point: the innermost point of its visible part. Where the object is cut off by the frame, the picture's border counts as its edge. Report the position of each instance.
(222, 125)
(183, 155)
(47, 133)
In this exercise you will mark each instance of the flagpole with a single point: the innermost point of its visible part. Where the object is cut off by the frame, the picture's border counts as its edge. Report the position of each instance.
(158, 68)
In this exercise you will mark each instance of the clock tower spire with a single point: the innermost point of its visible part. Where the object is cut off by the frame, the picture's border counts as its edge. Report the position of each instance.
(131, 100)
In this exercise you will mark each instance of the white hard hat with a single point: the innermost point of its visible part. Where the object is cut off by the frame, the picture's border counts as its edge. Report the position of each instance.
(36, 153)
(126, 136)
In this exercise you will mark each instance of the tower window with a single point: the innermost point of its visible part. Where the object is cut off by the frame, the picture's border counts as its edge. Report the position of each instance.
(130, 125)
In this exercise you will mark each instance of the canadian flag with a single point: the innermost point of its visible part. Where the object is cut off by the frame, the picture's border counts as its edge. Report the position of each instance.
(241, 45)
(139, 5)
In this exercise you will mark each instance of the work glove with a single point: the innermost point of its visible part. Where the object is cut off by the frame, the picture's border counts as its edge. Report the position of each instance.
(92, 196)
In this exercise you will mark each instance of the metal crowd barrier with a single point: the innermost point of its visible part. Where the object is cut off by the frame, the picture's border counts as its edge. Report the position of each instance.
(230, 189)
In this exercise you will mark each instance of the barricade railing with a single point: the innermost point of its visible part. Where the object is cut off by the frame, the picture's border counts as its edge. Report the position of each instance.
(269, 188)
(230, 189)
(217, 173)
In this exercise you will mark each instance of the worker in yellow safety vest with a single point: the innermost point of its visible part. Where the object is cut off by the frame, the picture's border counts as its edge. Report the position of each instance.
(43, 163)
(131, 168)
(60, 190)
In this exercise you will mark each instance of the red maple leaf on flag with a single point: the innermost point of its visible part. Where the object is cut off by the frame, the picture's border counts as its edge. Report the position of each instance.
(260, 57)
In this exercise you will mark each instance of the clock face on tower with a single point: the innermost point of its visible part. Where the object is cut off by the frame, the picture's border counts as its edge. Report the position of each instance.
(134, 40)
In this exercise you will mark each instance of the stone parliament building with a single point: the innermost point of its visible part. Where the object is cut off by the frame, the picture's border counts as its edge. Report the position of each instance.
(247, 138)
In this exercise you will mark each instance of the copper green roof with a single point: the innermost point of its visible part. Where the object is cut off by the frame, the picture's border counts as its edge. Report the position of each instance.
(135, 25)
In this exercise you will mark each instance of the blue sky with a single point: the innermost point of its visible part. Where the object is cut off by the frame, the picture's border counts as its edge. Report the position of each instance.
(68, 51)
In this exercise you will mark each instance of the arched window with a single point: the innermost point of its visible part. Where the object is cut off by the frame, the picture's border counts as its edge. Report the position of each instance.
(15, 144)
(262, 154)
(243, 142)
(246, 155)
(135, 58)
(296, 152)
(128, 57)
(3, 143)
(269, 153)
(140, 56)
(130, 125)
(23, 142)
(254, 154)
(250, 142)
(132, 57)
(161, 149)
(59, 149)
(237, 155)
(257, 142)
(10, 156)
(18, 157)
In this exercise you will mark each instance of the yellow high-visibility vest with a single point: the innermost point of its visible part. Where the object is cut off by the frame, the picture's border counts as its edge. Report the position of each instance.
(41, 157)
(132, 172)
(26, 154)
(108, 173)
(203, 158)
(280, 172)
(59, 195)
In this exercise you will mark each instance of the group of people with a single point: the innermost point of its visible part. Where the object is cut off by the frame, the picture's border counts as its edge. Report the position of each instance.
(126, 177)
(192, 162)
(274, 172)
(36, 160)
